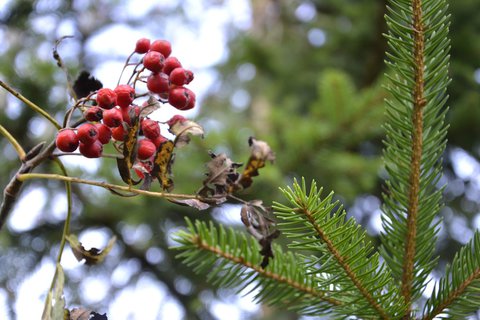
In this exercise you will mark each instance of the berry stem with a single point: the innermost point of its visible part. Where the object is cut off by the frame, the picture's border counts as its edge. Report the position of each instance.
(109, 186)
(30, 104)
(18, 148)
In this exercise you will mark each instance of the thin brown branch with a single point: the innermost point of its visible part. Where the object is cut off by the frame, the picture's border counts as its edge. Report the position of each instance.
(110, 186)
(10, 194)
(30, 104)
(267, 274)
(415, 163)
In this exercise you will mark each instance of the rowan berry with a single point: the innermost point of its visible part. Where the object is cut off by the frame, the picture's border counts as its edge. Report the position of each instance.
(91, 150)
(142, 45)
(181, 98)
(180, 76)
(176, 118)
(104, 133)
(87, 133)
(162, 46)
(154, 61)
(158, 83)
(113, 117)
(146, 149)
(67, 140)
(125, 95)
(150, 129)
(171, 63)
(119, 133)
(94, 113)
(106, 98)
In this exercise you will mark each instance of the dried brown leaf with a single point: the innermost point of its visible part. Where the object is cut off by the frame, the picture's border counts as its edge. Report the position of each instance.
(221, 175)
(91, 256)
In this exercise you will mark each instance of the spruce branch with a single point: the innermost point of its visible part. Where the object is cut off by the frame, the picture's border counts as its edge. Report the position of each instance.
(458, 292)
(416, 137)
(231, 259)
(341, 249)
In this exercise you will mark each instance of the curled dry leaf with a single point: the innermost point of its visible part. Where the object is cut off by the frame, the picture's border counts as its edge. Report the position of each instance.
(259, 155)
(86, 314)
(194, 203)
(92, 256)
(255, 218)
(152, 104)
(183, 129)
(221, 176)
(162, 165)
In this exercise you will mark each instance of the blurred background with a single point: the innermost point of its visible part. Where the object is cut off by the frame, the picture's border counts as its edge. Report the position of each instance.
(305, 76)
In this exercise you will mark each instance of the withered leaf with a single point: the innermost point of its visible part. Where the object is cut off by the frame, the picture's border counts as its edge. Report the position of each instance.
(194, 203)
(80, 314)
(85, 314)
(92, 256)
(162, 165)
(255, 218)
(129, 153)
(152, 105)
(86, 84)
(259, 155)
(183, 129)
(221, 175)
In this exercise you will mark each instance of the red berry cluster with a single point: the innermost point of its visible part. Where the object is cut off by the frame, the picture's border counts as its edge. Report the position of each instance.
(167, 78)
(109, 112)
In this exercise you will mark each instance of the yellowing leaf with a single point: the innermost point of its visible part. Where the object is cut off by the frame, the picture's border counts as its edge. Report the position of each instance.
(58, 310)
(92, 256)
(259, 155)
(162, 165)
(126, 163)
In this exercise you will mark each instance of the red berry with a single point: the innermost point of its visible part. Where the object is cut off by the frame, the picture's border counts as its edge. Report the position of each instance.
(119, 133)
(87, 133)
(162, 46)
(154, 61)
(150, 129)
(158, 141)
(94, 113)
(113, 117)
(176, 118)
(67, 140)
(142, 45)
(106, 98)
(180, 76)
(104, 133)
(158, 83)
(125, 95)
(181, 98)
(91, 150)
(171, 63)
(146, 149)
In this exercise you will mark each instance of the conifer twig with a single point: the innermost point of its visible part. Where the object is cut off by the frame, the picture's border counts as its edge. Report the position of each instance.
(417, 145)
